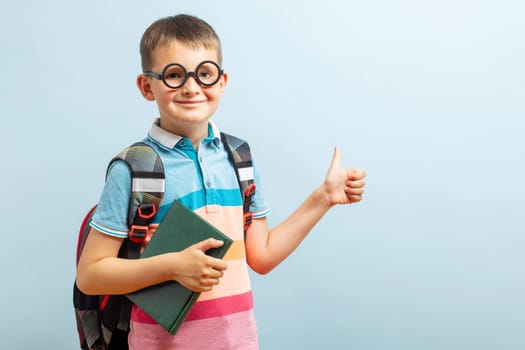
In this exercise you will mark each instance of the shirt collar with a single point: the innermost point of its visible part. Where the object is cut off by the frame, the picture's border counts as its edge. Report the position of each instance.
(169, 140)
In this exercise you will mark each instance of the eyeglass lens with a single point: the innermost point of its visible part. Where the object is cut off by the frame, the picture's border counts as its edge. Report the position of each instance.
(207, 73)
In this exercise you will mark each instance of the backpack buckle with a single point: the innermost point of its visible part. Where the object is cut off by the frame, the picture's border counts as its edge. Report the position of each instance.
(137, 234)
(248, 219)
(146, 211)
(138, 231)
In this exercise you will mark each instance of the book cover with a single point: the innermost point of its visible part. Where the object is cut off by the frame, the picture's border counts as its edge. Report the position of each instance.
(168, 303)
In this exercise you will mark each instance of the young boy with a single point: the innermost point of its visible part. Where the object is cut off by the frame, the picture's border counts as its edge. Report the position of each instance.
(181, 60)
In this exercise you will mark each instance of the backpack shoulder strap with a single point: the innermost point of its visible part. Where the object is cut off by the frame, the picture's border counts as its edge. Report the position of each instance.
(147, 178)
(104, 320)
(241, 158)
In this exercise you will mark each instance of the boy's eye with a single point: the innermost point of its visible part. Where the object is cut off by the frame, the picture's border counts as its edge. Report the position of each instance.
(205, 74)
(173, 75)
(208, 73)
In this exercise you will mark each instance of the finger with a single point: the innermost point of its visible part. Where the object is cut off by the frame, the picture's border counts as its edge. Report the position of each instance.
(356, 174)
(354, 191)
(336, 160)
(356, 183)
(210, 282)
(354, 198)
(204, 288)
(217, 264)
(216, 274)
(207, 285)
(208, 244)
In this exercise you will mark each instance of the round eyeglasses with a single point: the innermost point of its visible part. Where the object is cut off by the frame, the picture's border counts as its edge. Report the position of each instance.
(174, 75)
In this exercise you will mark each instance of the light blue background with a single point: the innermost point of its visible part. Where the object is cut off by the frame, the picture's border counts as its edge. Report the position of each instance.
(427, 96)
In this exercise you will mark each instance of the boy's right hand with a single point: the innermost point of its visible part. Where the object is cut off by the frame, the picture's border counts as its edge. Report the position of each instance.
(197, 271)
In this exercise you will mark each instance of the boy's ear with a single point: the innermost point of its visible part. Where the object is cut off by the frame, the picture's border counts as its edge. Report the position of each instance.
(144, 85)
(223, 82)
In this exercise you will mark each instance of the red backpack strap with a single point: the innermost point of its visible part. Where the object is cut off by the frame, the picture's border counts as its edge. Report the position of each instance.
(84, 230)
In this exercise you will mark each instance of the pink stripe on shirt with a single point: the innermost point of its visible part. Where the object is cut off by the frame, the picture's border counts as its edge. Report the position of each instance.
(206, 309)
(221, 306)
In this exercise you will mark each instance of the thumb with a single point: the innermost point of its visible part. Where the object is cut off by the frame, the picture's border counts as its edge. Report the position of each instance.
(336, 160)
(208, 244)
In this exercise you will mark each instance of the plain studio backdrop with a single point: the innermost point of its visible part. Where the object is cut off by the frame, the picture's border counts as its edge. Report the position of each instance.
(427, 96)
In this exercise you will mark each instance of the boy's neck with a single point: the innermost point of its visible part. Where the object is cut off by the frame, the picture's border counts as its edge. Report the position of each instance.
(194, 132)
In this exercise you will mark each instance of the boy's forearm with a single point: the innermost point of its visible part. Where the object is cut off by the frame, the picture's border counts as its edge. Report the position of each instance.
(265, 248)
(101, 272)
(113, 275)
(295, 227)
(279, 242)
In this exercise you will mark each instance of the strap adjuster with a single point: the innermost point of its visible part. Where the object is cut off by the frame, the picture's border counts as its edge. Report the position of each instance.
(248, 216)
(137, 234)
(248, 219)
(139, 230)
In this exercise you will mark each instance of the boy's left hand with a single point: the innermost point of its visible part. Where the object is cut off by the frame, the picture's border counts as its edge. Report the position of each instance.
(344, 186)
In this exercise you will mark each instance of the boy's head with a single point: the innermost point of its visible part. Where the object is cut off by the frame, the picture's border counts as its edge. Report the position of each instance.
(186, 29)
(181, 62)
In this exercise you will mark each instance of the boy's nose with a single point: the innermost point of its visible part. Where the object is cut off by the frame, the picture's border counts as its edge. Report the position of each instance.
(191, 84)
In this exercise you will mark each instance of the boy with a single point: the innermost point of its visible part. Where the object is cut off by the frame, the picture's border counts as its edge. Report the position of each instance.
(181, 59)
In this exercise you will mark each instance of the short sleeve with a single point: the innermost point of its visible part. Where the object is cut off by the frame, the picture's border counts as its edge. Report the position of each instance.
(111, 215)
(259, 206)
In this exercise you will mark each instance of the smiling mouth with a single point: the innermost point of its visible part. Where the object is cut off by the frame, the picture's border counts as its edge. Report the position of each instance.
(189, 102)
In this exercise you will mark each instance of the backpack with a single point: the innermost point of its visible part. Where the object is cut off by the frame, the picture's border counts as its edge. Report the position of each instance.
(103, 320)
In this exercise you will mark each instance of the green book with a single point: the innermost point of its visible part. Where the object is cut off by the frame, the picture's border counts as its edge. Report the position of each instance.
(168, 303)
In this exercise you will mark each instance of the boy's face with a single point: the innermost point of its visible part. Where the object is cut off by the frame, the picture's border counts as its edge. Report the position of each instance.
(189, 107)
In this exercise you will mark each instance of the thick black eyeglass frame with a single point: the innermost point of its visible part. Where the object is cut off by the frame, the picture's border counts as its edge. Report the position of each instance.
(187, 74)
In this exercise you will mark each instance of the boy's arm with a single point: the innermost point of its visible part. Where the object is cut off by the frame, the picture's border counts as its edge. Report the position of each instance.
(265, 248)
(101, 272)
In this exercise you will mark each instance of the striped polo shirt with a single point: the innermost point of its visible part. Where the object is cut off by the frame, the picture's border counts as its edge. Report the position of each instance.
(204, 180)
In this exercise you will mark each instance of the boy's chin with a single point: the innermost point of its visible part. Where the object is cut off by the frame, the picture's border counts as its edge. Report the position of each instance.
(179, 124)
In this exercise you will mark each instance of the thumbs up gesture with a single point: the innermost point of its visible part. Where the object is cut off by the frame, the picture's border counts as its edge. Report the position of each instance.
(344, 186)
